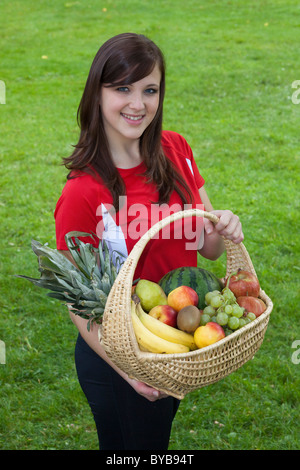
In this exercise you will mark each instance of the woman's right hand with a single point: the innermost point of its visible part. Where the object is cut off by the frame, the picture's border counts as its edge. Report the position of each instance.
(150, 393)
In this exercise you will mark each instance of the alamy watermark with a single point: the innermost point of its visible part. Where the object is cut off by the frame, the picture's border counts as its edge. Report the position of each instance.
(296, 354)
(2, 92)
(295, 99)
(2, 352)
(133, 220)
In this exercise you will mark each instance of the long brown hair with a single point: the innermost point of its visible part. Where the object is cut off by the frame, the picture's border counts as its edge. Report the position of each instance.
(123, 60)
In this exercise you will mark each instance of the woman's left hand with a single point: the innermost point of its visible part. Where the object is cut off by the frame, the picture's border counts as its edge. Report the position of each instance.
(229, 226)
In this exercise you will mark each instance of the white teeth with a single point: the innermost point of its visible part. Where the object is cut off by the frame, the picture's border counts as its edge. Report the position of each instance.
(132, 118)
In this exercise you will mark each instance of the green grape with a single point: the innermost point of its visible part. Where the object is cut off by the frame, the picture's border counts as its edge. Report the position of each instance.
(209, 310)
(215, 292)
(205, 318)
(216, 301)
(228, 309)
(208, 297)
(228, 332)
(247, 320)
(214, 319)
(242, 322)
(228, 294)
(251, 316)
(237, 311)
(233, 323)
(222, 318)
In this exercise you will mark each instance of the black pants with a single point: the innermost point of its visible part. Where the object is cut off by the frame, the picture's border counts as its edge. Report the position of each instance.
(124, 419)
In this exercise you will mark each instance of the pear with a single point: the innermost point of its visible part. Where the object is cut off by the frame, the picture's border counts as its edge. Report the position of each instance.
(150, 294)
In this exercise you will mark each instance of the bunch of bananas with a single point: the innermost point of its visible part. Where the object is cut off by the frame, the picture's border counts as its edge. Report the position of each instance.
(155, 336)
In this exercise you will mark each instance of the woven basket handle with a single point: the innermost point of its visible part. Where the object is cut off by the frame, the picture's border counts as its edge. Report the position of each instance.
(237, 255)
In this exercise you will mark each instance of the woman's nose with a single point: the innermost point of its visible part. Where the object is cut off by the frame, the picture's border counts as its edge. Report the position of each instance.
(137, 102)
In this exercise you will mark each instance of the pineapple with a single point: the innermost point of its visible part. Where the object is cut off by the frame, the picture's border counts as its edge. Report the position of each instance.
(84, 287)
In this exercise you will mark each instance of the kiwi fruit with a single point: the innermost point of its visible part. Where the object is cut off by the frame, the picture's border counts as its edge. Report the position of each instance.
(188, 318)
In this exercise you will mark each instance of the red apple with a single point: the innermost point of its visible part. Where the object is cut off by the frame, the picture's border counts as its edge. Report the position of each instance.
(244, 283)
(252, 304)
(208, 334)
(165, 314)
(181, 297)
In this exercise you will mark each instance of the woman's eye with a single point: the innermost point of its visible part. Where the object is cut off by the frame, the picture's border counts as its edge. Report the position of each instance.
(151, 91)
(123, 89)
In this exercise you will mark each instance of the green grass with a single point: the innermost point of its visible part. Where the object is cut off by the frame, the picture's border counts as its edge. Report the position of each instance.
(230, 69)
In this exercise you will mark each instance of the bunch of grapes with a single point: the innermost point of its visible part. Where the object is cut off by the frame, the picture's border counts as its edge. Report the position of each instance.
(222, 308)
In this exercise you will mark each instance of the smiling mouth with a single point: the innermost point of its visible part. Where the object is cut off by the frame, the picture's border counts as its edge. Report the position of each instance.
(133, 118)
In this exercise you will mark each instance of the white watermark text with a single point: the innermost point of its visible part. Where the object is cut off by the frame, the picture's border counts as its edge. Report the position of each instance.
(295, 99)
(296, 354)
(2, 92)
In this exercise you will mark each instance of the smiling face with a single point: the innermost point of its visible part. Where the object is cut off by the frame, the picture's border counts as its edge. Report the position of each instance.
(127, 110)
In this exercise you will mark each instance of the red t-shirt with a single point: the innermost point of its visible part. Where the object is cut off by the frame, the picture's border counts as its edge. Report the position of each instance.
(85, 203)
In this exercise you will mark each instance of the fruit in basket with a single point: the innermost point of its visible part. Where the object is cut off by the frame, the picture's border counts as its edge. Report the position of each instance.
(244, 283)
(165, 331)
(233, 323)
(201, 280)
(237, 310)
(216, 301)
(252, 304)
(222, 318)
(181, 297)
(205, 318)
(150, 294)
(165, 314)
(208, 334)
(188, 318)
(223, 308)
(149, 341)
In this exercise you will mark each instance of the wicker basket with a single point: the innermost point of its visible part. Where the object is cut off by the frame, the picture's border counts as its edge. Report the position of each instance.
(177, 374)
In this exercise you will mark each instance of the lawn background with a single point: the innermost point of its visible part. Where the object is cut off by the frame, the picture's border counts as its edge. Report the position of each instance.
(230, 69)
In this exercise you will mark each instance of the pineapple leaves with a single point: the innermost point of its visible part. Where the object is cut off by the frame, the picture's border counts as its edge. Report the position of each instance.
(82, 253)
(84, 284)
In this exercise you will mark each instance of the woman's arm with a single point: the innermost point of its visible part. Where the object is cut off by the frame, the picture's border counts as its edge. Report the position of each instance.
(91, 338)
(229, 226)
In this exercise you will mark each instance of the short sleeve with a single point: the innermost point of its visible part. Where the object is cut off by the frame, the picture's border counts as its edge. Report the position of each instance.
(76, 210)
(198, 178)
(180, 147)
(192, 163)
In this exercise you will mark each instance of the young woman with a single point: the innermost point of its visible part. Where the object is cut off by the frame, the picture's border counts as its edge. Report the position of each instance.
(123, 171)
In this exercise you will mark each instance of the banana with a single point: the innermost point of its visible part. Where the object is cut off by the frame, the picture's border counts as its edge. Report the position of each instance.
(151, 342)
(165, 331)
